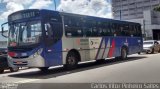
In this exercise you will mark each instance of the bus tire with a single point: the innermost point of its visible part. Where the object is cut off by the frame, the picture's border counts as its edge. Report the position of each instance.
(139, 53)
(1, 71)
(44, 69)
(15, 69)
(123, 53)
(71, 60)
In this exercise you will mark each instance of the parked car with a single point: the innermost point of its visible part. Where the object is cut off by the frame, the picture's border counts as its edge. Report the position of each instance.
(151, 46)
(4, 62)
(158, 41)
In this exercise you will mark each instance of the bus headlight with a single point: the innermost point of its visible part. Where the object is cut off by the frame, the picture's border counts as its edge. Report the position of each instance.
(34, 55)
(37, 53)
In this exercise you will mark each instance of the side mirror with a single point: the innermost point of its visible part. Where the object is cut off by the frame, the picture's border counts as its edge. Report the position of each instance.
(4, 31)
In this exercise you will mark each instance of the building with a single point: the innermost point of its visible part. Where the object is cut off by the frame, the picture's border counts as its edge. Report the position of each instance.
(3, 41)
(132, 9)
(140, 11)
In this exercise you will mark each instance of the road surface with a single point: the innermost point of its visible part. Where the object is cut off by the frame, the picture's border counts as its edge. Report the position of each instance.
(144, 68)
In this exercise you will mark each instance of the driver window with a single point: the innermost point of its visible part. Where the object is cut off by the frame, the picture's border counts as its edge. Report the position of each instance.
(49, 34)
(48, 30)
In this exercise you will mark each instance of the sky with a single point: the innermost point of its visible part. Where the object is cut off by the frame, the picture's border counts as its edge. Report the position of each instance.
(99, 8)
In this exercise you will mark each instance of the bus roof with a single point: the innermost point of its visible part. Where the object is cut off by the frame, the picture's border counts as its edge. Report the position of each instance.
(72, 14)
(113, 20)
(24, 11)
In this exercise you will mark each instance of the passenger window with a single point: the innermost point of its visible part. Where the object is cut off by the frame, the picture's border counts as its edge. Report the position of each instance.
(73, 27)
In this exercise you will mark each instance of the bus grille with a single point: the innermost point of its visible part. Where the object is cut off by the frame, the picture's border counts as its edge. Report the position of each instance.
(20, 57)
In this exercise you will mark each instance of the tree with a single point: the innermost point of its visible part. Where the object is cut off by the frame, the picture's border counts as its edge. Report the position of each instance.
(157, 8)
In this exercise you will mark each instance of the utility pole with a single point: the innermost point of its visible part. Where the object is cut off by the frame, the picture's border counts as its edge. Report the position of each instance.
(55, 5)
(144, 29)
(120, 15)
(120, 12)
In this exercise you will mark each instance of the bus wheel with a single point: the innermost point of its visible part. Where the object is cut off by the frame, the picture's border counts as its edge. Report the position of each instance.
(71, 60)
(1, 71)
(44, 69)
(139, 53)
(123, 53)
(15, 69)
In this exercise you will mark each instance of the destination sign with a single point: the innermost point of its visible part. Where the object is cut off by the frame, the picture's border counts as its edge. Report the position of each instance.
(23, 15)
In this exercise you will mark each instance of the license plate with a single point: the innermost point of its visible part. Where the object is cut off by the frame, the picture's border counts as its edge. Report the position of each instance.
(19, 62)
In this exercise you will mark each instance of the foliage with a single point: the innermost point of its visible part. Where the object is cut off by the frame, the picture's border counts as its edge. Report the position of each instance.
(157, 8)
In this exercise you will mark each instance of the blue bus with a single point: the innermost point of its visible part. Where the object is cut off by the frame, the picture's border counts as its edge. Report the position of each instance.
(45, 38)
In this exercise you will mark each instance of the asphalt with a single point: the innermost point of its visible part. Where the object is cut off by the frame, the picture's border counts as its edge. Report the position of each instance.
(144, 68)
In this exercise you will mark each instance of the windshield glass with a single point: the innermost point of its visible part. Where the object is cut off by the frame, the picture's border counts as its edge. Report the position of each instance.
(146, 43)
(25, 33)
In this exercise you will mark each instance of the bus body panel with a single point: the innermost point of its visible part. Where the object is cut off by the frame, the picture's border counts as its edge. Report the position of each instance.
(28, 58)
(91, 47)
(49, 56)
(53, 54)
(100, 47)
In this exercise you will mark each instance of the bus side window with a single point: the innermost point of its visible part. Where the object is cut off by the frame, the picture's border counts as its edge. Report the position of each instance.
(131, 30)
(116, 27)
(139, 31)
(125, 30)
(73, 28)
(122, 30)
(108, 29)
(135, 31)
(94, 32)
(113, 29)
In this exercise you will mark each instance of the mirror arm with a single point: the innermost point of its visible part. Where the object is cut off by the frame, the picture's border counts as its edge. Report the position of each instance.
(2, 29)
(4, 23)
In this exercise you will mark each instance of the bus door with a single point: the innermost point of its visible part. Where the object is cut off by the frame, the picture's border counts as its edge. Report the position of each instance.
(53, 44)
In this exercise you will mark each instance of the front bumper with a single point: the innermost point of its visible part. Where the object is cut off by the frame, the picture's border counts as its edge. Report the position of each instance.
(31, 61)
(147, 50)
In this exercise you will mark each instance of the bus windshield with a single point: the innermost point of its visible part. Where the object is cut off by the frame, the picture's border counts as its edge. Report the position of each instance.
(24, 33)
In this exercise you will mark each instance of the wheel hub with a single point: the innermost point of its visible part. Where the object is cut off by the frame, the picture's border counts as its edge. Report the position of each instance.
(71, 60)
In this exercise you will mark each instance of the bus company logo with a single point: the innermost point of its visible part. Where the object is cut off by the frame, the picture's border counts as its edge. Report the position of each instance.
(92, 42)
(84, 41)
